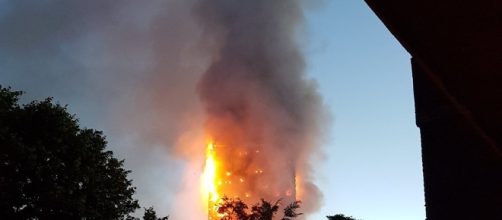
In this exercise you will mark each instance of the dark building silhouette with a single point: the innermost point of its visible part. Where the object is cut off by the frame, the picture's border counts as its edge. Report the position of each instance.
(456, 49)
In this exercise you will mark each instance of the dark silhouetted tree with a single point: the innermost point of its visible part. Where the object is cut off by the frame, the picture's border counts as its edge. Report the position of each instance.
(233, 209)
(264, 210)
(50, 168)
(290, 211)
(340, 217)
(151, 215)
(236, 209)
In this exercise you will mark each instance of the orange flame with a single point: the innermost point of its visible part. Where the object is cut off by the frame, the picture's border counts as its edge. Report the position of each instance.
(229, 171)
(210, 180)
(209, 174)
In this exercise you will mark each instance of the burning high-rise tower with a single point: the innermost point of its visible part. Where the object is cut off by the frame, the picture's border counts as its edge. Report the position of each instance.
(233, 171)
(263, 116)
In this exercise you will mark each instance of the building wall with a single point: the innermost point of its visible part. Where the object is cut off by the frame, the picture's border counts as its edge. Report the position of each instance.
(462, 174)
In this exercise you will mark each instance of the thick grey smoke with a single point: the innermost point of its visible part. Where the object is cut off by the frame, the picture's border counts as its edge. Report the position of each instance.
(257, 96)
(149, 72)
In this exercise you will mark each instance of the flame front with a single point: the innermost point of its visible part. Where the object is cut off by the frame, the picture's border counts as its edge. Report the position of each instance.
(209, 181)
(210, 174)
(237, 171)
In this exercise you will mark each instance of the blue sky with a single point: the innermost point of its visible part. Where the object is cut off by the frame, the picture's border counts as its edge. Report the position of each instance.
(373, 168)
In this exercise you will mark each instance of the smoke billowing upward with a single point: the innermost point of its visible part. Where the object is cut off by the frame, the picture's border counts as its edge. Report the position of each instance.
(156, 75)
(257, 97)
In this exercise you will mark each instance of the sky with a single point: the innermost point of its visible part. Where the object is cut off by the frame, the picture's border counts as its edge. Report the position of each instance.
(371, 164)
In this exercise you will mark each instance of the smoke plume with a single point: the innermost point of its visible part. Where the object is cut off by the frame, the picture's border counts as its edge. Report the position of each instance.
(257, 97)
(157, 76)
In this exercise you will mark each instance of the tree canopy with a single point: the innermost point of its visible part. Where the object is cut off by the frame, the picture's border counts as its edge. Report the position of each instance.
(150, 214)
(236, 209)
(340, 217)
(51, 168)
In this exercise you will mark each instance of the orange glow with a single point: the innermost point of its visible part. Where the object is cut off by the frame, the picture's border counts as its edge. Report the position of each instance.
(209, 174)
(211, 181)
(229, 171)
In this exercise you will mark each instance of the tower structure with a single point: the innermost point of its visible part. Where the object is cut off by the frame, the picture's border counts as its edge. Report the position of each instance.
(240, 174)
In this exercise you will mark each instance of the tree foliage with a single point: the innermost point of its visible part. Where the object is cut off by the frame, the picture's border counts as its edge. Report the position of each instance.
(340, 217)
(290, 211)
(236, 209)
(150, 214)
(50, 168)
